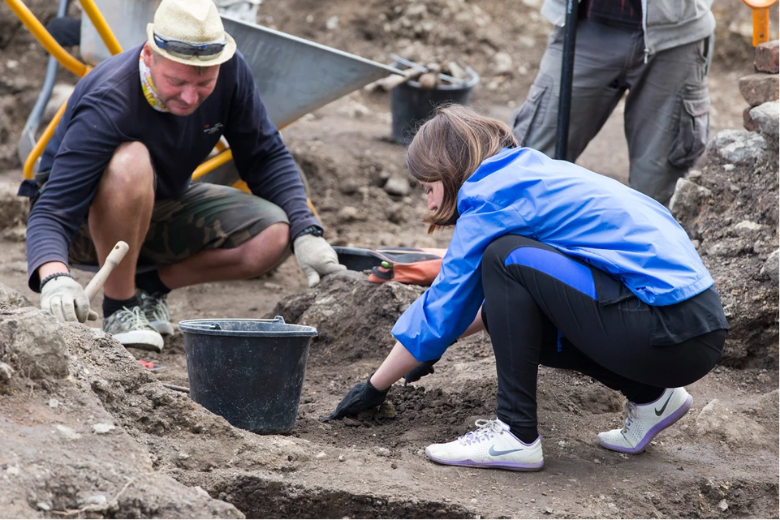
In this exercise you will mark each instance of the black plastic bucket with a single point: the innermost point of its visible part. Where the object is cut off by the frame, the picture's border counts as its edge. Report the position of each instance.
(411, 105)
(248, 371)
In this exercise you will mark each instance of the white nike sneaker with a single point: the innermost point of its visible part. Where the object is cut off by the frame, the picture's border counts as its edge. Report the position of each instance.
(492, 445)
(645, 421)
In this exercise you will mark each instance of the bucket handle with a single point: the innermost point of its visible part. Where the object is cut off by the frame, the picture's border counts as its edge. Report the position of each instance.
(215, 326)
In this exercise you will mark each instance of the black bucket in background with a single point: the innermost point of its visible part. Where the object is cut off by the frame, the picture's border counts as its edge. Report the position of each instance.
(411, 105)
(248, 371)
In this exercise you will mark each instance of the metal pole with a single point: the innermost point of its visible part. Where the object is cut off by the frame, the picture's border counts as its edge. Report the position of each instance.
(567, 73)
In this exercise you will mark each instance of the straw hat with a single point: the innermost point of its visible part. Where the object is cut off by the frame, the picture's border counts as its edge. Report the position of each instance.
(191, 21)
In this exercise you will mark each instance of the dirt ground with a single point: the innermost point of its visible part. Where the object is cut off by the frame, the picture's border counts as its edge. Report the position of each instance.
(168, 457)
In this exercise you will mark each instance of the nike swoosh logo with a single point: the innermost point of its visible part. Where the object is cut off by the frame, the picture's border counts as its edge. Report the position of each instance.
(659, 412)
(495, 453)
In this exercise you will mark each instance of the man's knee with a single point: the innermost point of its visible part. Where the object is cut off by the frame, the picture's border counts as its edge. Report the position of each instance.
(130, 169)
(267, 249)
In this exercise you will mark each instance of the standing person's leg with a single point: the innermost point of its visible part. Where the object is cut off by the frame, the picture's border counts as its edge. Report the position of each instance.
(667, 116)
(598, 85)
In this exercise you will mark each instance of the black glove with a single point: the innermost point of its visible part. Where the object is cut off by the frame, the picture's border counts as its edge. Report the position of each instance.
(360, 397)
(423, 369)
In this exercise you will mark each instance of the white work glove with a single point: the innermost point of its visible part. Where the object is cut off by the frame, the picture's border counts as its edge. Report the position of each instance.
(315, 258)
(66, 300)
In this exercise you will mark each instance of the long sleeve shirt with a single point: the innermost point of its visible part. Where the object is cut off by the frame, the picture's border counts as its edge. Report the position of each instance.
(108, 108)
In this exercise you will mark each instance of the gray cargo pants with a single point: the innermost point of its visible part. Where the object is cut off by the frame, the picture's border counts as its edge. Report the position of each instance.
(667, 108)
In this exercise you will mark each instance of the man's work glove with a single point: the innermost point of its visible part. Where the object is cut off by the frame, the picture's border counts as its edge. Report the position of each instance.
(360, 397)
(64, 297)
(423, 369)
(315, 258)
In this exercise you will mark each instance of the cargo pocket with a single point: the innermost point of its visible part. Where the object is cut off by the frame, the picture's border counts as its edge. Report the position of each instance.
(693, 131)
(532, 109)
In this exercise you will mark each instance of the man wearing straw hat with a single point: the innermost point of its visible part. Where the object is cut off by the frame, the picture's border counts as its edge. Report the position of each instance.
(119, 168)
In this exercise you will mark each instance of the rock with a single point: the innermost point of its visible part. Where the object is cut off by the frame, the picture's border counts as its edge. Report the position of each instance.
(502, 63)
(349, 214)
(772, 266)
(348, 186)
(382, 452)
(12, 299)
(53, 403)
(93, 500)
(687, 197)
(748, 226)
(6, 373)
(428, 81)
(759, 88)
(748, 123)
(13, 209)
(765, 58)
(332, 23)
(320, 455)
(397, 186)
(766, 117)
(31, 340)
(68, 433)
(101, 428)
(723, 505)
(719, 423)
(737, 146)
(43, 506)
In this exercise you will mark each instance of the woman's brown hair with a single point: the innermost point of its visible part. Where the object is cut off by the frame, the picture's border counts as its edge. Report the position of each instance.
(449, 148)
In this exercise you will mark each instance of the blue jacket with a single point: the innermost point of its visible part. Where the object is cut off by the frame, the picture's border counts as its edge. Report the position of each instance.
(582, 214)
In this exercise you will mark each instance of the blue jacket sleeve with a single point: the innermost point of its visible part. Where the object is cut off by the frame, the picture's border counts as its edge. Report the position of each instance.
(261, 157)
(447, 308)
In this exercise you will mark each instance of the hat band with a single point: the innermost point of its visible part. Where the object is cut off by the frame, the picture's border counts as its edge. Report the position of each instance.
(204, 51)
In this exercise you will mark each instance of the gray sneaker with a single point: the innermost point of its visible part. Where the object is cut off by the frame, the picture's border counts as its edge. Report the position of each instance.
(155, 307)
(131, 328)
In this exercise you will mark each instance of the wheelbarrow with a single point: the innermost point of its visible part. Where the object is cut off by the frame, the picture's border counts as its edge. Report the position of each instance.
(293, 76)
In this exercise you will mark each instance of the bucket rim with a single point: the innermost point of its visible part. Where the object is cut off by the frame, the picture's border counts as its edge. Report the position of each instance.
(200, 326)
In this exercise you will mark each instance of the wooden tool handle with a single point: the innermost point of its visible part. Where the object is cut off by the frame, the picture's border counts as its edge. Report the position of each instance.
(114, 257)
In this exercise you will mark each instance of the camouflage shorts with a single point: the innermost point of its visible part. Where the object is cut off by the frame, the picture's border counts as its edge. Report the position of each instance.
(206, 216)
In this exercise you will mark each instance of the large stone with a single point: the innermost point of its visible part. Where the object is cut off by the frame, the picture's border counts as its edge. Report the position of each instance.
(772, 267)
(766, 57)
(759, 88)
(31, 342)
(766, 117)
(738, 146)
(687, 197)
(398, 186)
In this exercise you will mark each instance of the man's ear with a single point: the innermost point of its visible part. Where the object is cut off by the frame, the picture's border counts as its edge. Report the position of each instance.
(146, 53)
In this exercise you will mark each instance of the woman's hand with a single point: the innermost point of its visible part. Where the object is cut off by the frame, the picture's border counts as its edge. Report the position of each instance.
(372, 393)
(360, 397)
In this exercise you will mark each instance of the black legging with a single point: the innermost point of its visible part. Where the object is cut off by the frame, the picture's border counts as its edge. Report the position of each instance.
(542, 308)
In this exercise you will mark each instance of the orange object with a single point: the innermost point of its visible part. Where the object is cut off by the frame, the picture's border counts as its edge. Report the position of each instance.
(760, 19)
(411, 266)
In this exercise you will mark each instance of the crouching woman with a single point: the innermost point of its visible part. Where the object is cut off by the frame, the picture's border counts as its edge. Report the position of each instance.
(572, 269)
